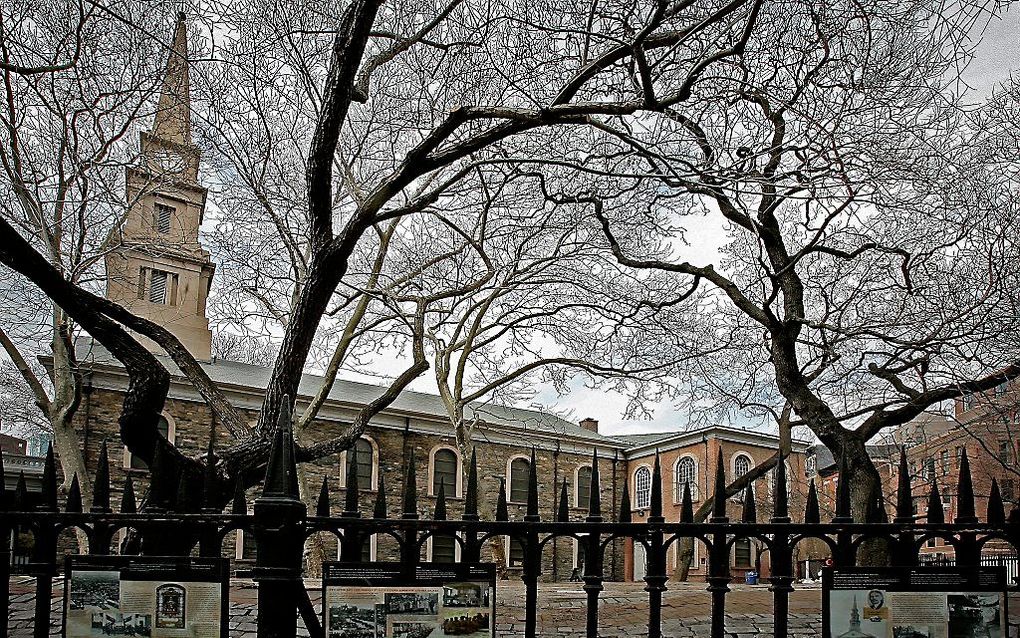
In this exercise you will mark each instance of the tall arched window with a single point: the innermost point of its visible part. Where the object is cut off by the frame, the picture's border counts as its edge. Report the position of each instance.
(583, 493)
(741, 465)
(518, 480)
(685, 473)
(642, 488)
(444, 471)
(364, 452)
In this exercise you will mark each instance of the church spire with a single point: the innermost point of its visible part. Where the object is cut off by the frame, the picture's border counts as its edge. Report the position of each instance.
(173, 116)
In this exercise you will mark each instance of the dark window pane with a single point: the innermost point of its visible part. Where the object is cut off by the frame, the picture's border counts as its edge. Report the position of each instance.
(363, 452)
(516, 553)
(583, 486)
(519, 480)
(444, 549)
(742, 553)
(366, 550)
(444, 472)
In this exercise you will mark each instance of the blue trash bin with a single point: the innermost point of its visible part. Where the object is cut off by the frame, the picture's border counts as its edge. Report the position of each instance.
(751, 577)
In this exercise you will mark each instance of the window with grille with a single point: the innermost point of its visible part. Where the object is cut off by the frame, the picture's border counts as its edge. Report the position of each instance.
(519, 469)
(741, 466)
(365, 460)
(742, 552)
(515, 557)
(583, 486)
(444, 472)
(642, 488)
(162, 214)
(163, 426)
(444, 549)
(157, 286)
(686, 473)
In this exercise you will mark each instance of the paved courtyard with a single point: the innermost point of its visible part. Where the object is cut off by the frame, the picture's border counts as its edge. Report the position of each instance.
(686, 610)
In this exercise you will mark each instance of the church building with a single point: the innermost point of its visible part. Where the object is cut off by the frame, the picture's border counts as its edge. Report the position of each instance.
(159, 270)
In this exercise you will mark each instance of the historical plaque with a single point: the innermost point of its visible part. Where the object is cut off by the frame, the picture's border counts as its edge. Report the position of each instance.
(380, 600)
(914, 602)
(159, 597)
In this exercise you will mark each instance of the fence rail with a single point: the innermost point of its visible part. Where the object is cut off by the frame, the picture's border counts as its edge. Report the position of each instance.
(281, 524)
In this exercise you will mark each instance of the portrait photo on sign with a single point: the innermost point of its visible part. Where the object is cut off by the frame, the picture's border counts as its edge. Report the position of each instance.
(975, 616)
(859, 613)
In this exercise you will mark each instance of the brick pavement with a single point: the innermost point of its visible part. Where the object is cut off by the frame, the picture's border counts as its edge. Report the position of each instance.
(623, 611)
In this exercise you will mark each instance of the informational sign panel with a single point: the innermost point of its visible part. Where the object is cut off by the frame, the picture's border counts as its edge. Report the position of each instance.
(914, 602)
(158, 597)
(378, 600)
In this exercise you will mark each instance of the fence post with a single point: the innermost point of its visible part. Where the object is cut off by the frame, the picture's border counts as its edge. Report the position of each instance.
(532, 556)
(719, 555)
(655, 575)
(278, 522)
(781, 576)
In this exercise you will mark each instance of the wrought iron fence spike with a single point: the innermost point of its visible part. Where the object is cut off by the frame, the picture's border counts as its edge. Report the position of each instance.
(281, 472)
(687, 505)
(966, 511)
(440, 512)
(128, 505)
(655, 513)
(352, 490)
(595, 491)
(380, 499)
(812, 516)
(624, 515)
(209, 478)
(843, 514)
(502, 512)
(73, 505)
(749, 514)
(781, 507)
(996, 514)
(471, 495)
(410, 489)
(562, 511)
(48, 502)
(719, 496)
(239, 506)
(101, 484)
(21, 494)
(322, 505)
(904, 495)
(936, 515)
(531, 513)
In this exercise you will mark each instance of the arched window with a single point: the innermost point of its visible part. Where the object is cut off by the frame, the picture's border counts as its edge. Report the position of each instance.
(444, 472)
(365, 454)
(642, 488)
(583, 486)
(518, 479)
(685, 473)
(741, 465)
(166, 430)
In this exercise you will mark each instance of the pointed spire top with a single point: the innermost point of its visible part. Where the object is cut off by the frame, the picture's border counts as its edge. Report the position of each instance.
(281, 474)
(173, 114)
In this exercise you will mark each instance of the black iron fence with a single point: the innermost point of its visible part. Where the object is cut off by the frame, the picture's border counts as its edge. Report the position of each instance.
(281, 524)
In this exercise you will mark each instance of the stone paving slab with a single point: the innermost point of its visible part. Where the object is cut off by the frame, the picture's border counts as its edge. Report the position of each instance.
(623, 611)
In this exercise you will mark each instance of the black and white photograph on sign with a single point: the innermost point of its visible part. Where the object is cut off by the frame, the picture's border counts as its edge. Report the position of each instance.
(858, 614)
(912, 631)
(465, 622)
(417, 603)
(975, 616)
(95, 589)
(357, 621)
(413, 629)
(465, 595)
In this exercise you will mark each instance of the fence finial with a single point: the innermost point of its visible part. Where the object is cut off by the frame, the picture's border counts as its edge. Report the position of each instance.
(996, 514)
(936, 515)
(353, 489)
(750, 509)
(876, 505)
(49, 483)
(655, 513)
(410, 488)
(595, 492)
(183, 500)
(966, 512)
(904, 497)
(781, 508)
(471, 495)
(209, 500)
(812, 516)
(624, 515)
(719, 497)
(239, 505)
(502, 513)
(101, 485)
(21, 494)
(440, 512)
(159, 490)
(380, 498)
(73, 505)
(281, 473)
(843, 513)
(532, 509)
(687, 505)
(322, 505)
(562, 512)
(128, 505)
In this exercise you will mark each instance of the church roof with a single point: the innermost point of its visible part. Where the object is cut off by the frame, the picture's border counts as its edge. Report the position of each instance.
(256, 378)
